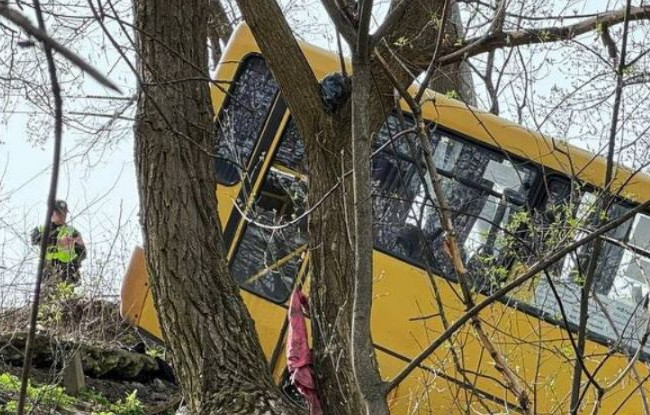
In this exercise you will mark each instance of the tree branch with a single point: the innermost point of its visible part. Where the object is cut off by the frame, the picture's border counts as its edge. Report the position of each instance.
(58, 133)
(434, 60)
(499, 40)
(21, 21)
(220, 20)
(340, 20)
(363, 35)
(606, 203)
(219, 28)
(391, 21)
(532, 272)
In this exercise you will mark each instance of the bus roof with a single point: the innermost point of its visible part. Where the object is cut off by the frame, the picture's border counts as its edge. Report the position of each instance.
(556, 155)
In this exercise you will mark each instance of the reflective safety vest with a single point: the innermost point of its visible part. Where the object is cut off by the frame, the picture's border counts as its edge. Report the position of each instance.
(61, 252)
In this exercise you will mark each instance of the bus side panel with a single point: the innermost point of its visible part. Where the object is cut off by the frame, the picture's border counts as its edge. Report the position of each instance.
(430, 392)
(268, 318)
(137, 306)
(226, 195)
(134, 287)
(149, 320)
(406, 320)
(542, 354)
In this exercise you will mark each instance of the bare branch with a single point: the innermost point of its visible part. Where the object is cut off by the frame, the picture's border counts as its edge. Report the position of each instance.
(58, 132)
(19, 20)
(498, 294)
(639, 57)
(607, 200)
(499, 40)
(434, 60)
(219, 29)
(363, 36)
(391, 21)
(609, 43)
(640, 78)
(220, 20)
(340, 20)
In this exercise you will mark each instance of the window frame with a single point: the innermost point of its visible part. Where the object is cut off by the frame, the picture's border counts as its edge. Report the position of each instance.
(530, 309)
(247, 165)
(530, 204)
(279, 136)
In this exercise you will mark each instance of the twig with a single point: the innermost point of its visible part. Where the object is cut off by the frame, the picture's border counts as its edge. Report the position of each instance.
(518, 281)
(322, 199)
(21, 21)
(390, 22)
(499, 39)
(606, 202)
(58, 129)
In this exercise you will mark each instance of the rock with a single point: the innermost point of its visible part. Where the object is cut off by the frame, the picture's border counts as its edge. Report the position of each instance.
(73, 375)
(97, 361)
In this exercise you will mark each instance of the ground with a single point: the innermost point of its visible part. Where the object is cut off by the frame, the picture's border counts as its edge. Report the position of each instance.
(125, 374)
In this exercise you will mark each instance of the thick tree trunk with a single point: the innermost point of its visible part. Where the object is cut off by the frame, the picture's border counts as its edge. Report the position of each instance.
(362, 350)
(332, 266)
(221, 367)
(456, 77)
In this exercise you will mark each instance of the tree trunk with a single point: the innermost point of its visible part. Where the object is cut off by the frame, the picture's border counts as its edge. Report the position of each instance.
(332, 268)
(456, 76)
(364, 360)
(221, 367)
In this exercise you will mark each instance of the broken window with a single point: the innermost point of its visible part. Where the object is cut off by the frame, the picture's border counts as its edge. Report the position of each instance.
(267, 260)
(242, 118)
(291, 153)
(482, 186)
(616, 306)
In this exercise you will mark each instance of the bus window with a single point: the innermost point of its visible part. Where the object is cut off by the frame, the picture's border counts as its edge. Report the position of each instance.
(618, 313)
(267, 261)
(291, 153)
(482, 186)
(242, 118)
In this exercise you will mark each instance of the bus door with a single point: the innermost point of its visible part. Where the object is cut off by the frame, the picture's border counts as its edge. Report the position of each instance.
(266, 233)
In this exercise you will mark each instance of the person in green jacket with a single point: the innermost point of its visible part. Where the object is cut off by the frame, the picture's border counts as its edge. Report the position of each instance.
(65, 248)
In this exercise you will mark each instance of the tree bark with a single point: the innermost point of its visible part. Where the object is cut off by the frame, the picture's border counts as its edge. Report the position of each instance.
(362, 350)
(455, 76)
(221, 367)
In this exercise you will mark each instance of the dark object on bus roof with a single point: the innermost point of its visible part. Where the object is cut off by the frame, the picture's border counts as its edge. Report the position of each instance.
(334, 91)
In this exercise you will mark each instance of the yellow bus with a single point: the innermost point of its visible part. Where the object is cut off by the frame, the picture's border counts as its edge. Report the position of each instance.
(494, 174)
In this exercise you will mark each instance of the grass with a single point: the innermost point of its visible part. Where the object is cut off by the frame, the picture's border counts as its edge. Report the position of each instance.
(55, 396)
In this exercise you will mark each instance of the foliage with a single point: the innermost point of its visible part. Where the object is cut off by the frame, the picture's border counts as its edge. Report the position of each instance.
(52, 311)
(94, 397)
(130, 405)
(51, 395)
(452, 94)
(156, 351)
(11, 407)
(55, 396)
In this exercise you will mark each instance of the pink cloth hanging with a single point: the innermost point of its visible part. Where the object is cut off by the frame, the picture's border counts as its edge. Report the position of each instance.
(299, 356)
